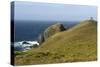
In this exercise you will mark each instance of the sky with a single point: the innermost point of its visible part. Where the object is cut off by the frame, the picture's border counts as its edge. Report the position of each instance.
(52, 12)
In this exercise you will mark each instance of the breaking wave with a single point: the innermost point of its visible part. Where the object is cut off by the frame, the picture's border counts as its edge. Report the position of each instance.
(25, 45)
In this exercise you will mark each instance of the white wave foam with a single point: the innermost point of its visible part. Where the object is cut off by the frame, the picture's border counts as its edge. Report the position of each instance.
(25, 45)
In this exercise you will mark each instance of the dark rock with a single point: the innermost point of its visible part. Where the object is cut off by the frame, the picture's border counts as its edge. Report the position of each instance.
(25, 42)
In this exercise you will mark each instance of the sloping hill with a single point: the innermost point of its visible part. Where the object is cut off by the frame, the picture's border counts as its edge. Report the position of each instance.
(76, 44)
(81, 33)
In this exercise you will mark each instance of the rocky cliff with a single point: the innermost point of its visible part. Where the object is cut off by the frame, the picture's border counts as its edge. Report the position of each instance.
(51, 30)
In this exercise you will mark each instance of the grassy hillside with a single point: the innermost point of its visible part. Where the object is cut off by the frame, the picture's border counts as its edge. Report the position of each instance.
(76, 44)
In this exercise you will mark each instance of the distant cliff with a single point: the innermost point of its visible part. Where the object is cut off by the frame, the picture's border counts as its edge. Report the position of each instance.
(51, 30)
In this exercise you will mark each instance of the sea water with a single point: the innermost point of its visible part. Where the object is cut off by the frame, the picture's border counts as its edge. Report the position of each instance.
(30, 31)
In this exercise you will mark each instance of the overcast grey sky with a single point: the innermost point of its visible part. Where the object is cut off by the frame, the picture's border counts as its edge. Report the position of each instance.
(53, 12)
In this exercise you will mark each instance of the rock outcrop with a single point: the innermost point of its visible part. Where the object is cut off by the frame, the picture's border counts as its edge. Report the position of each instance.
(51, 30)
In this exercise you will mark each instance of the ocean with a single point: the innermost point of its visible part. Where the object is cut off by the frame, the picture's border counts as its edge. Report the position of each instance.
(30, 30)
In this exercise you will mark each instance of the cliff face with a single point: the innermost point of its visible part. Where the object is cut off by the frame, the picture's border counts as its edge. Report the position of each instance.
(51, 31)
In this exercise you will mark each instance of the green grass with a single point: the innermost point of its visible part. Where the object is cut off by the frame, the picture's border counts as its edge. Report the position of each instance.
(76, 44)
